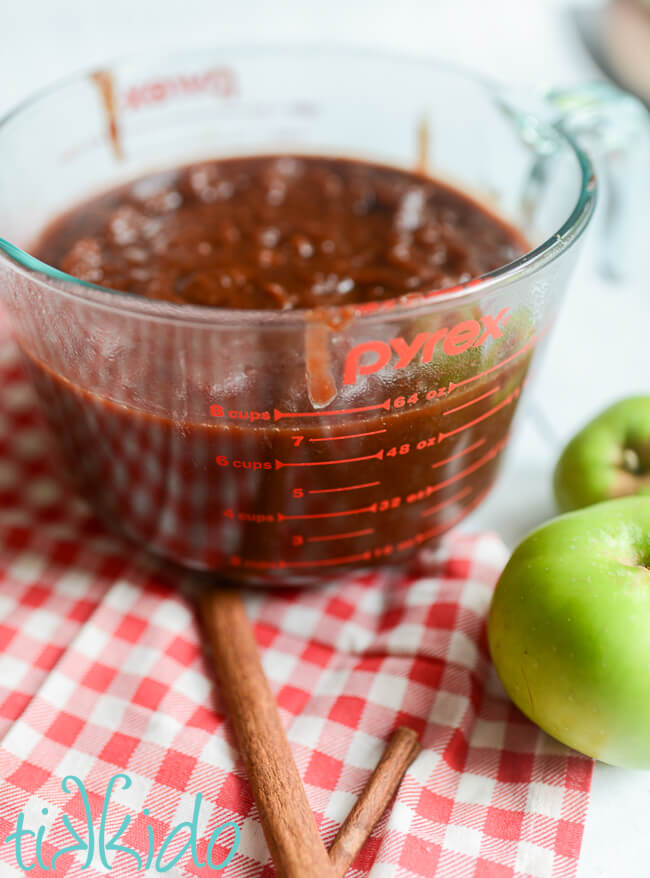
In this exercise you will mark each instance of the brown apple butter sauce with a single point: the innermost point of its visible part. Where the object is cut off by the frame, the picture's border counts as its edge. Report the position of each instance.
(306, 484)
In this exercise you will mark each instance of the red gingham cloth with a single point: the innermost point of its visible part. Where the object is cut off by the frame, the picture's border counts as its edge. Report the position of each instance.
(101, 671)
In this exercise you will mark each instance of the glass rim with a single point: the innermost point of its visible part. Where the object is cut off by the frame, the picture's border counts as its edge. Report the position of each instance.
(409, 304)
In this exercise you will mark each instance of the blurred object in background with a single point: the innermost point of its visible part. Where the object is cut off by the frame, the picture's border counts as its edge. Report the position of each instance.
(627, 42)
(618, 37)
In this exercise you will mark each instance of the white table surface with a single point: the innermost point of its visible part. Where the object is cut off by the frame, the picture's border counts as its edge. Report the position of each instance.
(600, 349)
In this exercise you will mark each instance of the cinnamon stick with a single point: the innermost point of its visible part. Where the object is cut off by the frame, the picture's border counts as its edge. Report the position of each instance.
(402, 749)
(289, 826)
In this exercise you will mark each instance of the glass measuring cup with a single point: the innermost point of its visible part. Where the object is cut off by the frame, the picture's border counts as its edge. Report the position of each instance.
(283, 448)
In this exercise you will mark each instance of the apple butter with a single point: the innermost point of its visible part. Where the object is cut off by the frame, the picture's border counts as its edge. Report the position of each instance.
(304, 485)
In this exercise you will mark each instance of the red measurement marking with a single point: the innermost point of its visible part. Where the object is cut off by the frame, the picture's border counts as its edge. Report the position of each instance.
(350, 559)
(326, 562)
(365, 408)
(472, 401)
(438, 529)
(344, 488)
(458, 454)
(351, 533)
(280, 463)
(423, 536)
(448, 502)
(372, 508)
(504, 402)
(529, 344)
(491, 454)
(349, 436)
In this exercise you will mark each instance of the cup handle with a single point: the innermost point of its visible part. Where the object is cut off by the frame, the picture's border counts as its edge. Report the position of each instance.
(613, 127)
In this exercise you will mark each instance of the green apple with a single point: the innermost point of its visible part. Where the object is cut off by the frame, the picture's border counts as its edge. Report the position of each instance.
(609, 457)
(569, 630)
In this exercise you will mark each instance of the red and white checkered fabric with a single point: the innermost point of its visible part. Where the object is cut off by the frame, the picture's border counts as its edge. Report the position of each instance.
(101, 672)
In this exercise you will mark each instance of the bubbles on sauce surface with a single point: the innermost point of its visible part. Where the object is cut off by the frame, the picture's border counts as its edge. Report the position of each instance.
(279, 232)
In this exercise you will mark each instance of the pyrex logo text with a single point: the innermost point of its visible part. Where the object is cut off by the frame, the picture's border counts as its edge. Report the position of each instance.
(371, 356)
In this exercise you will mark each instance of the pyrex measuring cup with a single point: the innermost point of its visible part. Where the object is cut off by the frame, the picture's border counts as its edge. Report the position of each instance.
(287, 447)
